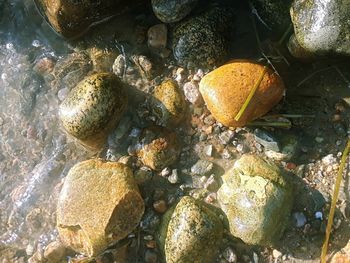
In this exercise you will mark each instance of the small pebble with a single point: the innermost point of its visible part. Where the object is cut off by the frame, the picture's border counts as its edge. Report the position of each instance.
(165, 172)
(208, 150)
(160, 206)
(192, 93)
(299, 219)
(276, 253)
(157, 36)
(62, 93)
(174, 177)
(230, 255)
(319, 215)
(319, 139)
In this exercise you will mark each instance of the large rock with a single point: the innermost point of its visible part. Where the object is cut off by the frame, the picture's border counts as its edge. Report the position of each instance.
(322, 26)
(98, 205)
(158, 147)
(93, 108)
(73, 18)
(203, 40)
(257, 200)
(226, 89)
(169, 11)
(190, 232)
(169, 103)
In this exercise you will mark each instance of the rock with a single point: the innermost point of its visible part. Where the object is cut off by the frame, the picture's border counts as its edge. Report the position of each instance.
(190, 232)
(99, 204)
(343, 256)
(157, 36)
(276, 253)
(297, 51)
(158, 147)
(299, 219)
(192, 94)
(174, 177)
(170, 11)
(257, 200)
(203, 40)
(267, 140)
(226, 89)
(288, 148)
(168, 103)
(54, 252)
(93, 108)
(211, 184)
(322, 27)
(142, 175)
(73, 18)
(202, 167)
(160, 206)
(230, 255)
(102, 59)
(274, 14)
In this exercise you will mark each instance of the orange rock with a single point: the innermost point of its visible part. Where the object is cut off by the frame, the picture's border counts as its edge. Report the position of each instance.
(226, 89)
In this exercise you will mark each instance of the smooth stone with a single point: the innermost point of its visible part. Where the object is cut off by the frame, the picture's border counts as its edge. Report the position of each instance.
(170, 11)
(169, 104)
(257, 200)
(157, 36)
(226, 89)
(99, 204)
(73, 18)
(203, 40)
(158, 147)
(190, 232)
(274, 14)
(322, 26)
(93, 108)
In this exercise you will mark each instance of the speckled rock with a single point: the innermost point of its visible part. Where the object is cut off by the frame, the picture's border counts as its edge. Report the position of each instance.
(73, 18)
(98, 205)
(297, 51)
(169, 11)
(322, 26)
(226, 89)
(169, 104)
(158, 147)
(203, 40)
(275, 14)
(257, 200)
(190, 232)
(93, 108)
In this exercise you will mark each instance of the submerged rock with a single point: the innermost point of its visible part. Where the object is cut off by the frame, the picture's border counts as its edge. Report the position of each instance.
(99, 204)
(73, 18)
(226, 89)
(169, 103)
(257, 200)
(102, 59)
(158, 147)
(203, 40)
(93, 108)
(274, 14)
(169, 11)
(322, 26)
(190, 232)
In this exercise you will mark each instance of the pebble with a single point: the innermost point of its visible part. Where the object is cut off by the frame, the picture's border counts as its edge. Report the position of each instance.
(211, 184)
(299, 219)
(165, 172)
(226, 137)
(208, 150)
(62, 93)
(230, 255)
(160, 206)
(174, 177)
(157, 36)
(319, 215)
(192, 94)
(276, 253)
(319, 139)
(202, 167)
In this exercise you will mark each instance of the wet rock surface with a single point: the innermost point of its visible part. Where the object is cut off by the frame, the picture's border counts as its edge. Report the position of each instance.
(226, 89)
(199, 229)
(170, 11)
(257, 200)
(321, 27)
(93, 108)
(95, 189)
(203, 40)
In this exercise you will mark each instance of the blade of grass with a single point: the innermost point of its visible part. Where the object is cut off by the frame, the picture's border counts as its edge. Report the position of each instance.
(251, 94)
(334, 202)
(286, 125)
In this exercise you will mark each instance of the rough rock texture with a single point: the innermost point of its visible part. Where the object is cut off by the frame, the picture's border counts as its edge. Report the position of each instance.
(158, 147)
(226, 89)
(203, 40)
(98, 205)
(342, 256)
(190, 232)
(93, 108)
(257, 200)
(73, 18)
(169, 11)
(275, 14)
(322, 26)
(169, 103)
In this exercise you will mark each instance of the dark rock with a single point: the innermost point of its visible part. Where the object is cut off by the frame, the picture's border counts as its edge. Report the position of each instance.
(169, 11)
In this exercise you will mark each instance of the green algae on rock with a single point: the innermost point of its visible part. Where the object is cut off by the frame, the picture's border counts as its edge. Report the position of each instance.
(99, 204)
(257, 200)
(322, 27)
(169, 103)
(169, 11)
(190, 232)
(158, 147)
(204, 40)
(93, 108)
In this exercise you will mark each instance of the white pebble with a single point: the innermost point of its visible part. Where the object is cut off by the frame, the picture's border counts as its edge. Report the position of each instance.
(319, 215)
